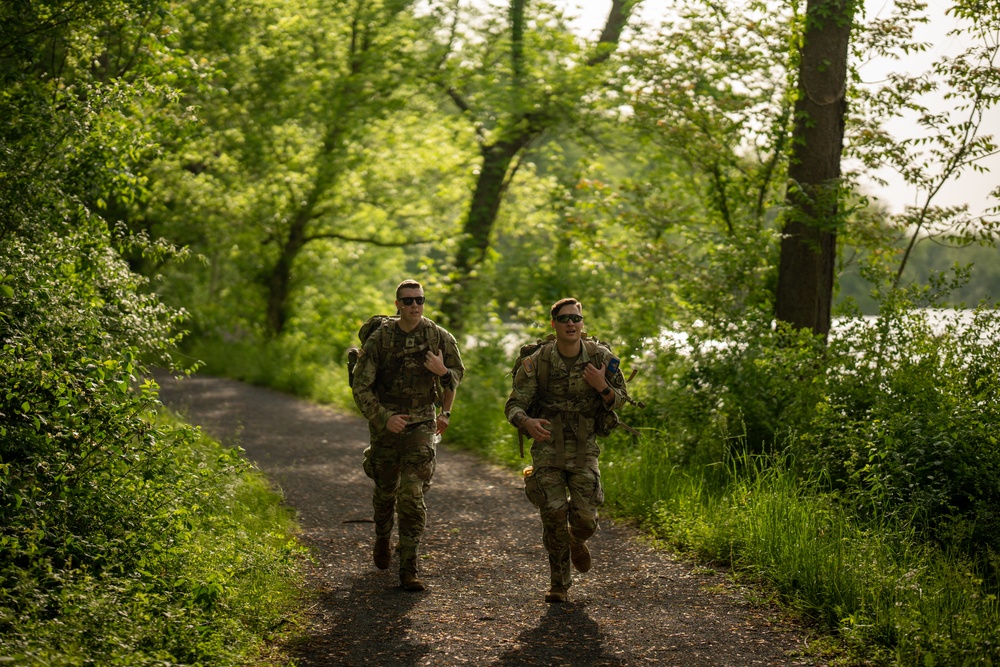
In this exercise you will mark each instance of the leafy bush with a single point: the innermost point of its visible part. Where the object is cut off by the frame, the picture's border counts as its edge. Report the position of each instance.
(891, 597)
(908, 423)
(192, 583)
(478, 422)
(751, 380)
(118, 544)
(115, 546)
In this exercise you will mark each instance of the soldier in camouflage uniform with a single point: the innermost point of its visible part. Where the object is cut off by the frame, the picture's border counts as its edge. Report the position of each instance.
(565, 480)
(405, 367)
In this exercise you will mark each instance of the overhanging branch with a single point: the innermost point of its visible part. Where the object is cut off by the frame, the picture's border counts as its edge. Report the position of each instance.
(615, 24)
(372, 241)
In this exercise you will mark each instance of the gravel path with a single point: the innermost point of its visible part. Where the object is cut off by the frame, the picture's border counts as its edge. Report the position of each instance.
(482, 559)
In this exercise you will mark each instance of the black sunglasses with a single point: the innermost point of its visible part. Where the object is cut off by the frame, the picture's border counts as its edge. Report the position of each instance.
(569, 318)
(408, 300)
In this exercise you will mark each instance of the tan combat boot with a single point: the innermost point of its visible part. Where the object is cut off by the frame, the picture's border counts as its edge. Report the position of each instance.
(556, 594)
(408, 580)
(382, 554)
(579, 554)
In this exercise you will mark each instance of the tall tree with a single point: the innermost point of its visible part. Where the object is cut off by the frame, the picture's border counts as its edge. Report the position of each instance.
(536, 91)
(360, 91)
(809, 236)
(710, 99)
(300, 95)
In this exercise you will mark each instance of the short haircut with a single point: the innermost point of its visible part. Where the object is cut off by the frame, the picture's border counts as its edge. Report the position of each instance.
(558, 305)
(408, 284)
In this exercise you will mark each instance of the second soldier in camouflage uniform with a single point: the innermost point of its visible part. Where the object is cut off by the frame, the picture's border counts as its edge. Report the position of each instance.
(565, 481)
(404, 368)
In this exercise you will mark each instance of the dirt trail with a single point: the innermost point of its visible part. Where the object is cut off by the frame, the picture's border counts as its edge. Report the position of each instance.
(481, 558)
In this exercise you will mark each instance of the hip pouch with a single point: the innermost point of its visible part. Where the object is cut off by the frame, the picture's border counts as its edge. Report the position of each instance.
(531, 489)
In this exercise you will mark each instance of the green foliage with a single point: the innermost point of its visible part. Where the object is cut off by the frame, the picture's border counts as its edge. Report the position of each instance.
(515, 76)
(907, 425)
(882, 524)
(326, 165)
(925, 261)
(182, 578)
(952, 139)
(478, 421)
(707, 385)
(711, 92)
(315, 136)
(112, 525)
(890, 597)
(674, 218)
(118, 543)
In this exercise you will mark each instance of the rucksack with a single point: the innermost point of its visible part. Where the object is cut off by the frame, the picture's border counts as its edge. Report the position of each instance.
(374, 323)
(605, 421)
(364, 333)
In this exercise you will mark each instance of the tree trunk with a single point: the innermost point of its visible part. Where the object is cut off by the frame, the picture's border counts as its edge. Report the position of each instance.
(279, 282)
(478, 226)
(809, 241)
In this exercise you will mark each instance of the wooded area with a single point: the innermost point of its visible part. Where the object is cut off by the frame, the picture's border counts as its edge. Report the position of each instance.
(240, 185)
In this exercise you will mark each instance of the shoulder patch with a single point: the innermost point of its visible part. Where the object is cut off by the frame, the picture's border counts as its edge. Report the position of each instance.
(613, 365)
(528, 365)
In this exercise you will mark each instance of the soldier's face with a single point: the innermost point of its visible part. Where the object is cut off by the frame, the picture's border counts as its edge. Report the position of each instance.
(569, 330)
(413, 310)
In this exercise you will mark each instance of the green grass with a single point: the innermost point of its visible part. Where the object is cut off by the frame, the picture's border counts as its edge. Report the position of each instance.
(287, 364)
(892, 598)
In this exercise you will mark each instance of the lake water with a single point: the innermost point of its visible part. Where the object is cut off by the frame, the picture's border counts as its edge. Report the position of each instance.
(939, 320)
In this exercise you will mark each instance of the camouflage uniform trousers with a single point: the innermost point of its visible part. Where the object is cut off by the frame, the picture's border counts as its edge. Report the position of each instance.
(567, 501)
(402, 466)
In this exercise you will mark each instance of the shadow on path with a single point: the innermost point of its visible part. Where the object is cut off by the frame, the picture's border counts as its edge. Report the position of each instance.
(558, 638)
(366, 625)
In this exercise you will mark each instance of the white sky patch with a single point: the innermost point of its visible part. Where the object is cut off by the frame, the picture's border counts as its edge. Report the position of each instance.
(972, 188)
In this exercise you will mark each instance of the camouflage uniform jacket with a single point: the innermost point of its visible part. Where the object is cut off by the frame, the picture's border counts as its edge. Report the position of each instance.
(567, 401)
(390, 377)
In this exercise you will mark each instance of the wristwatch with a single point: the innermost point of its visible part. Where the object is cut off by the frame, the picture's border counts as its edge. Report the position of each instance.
(607, 390)
(446, 413)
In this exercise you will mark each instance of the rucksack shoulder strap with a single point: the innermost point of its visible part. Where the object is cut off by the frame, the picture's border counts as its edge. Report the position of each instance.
(387, 334)
(436, 337)
(595, 346)
(543, 362)
(388, 343)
